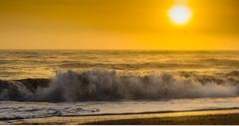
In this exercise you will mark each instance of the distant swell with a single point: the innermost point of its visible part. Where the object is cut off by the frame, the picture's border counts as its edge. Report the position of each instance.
(106, 85)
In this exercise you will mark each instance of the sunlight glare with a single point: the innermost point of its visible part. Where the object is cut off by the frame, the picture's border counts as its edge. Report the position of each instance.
(180, 14)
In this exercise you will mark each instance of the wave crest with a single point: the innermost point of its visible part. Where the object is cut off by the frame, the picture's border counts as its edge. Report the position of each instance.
(106, 85)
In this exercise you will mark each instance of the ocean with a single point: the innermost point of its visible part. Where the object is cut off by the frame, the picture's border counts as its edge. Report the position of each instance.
(43, 83)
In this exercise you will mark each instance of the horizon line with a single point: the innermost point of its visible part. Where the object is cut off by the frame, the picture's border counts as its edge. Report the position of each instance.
(198, 50)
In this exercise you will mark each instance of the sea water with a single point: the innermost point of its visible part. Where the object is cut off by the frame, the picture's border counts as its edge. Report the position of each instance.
(42, 83)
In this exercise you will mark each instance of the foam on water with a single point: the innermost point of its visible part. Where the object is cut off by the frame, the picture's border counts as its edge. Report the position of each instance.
(108, 85)
(105, 85)
(103, 82)
(11, 110)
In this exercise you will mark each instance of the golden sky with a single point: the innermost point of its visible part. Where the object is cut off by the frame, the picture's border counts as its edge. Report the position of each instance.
(117, 24)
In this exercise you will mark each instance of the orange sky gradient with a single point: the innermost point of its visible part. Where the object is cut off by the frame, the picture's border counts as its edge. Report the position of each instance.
(117, 24)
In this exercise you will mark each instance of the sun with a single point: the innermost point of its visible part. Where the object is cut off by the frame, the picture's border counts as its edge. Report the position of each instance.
(180, 14)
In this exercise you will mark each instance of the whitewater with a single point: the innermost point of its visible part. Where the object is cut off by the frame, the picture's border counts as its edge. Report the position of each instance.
(42, 83)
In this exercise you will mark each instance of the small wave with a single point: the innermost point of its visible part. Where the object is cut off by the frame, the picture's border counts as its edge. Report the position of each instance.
(221, 62)
(95, 85)
(132, 66)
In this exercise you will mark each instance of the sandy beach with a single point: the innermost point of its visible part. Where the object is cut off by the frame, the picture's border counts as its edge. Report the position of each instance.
(207, 117)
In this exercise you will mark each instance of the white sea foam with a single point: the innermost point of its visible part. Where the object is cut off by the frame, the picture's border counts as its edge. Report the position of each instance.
(108, 85)
(19, 110)
(105, 85)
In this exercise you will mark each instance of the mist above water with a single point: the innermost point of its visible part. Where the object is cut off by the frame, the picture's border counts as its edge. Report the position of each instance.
(105, 85)
(108, 85)
(116, 75)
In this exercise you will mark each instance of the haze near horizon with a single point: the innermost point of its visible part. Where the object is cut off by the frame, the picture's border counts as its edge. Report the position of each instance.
(119, 24)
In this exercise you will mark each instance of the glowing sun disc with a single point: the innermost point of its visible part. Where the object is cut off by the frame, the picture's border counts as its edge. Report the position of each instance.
(180, 14)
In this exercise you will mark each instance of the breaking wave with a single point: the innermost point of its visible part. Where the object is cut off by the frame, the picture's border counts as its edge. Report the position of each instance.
(107, 85)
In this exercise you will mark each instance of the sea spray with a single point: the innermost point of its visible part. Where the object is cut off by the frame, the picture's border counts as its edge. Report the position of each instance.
(106, 85)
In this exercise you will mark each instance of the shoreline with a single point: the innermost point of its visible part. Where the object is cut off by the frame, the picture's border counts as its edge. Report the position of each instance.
(209, 117)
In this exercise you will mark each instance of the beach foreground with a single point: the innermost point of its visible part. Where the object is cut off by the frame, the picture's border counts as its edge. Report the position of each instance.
(207, 117)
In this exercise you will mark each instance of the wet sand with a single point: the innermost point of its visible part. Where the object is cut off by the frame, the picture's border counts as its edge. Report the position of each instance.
(206, 117)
